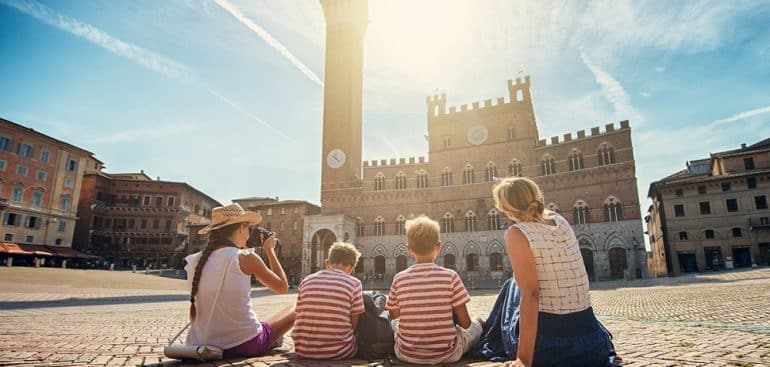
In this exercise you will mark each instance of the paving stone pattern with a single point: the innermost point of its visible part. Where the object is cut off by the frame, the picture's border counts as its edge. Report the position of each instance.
(717, 319)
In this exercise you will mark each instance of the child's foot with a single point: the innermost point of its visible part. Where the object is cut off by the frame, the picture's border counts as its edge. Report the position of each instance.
(277, 343)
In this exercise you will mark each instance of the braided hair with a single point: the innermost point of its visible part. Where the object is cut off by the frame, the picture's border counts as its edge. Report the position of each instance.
(217, 238)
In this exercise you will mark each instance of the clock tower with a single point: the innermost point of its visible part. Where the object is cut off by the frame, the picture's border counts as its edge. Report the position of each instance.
(346, 22)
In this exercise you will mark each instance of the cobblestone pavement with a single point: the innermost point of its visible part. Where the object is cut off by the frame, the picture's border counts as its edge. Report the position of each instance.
(69, 317)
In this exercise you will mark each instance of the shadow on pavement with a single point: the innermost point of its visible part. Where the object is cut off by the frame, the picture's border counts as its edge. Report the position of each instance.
(78, 302)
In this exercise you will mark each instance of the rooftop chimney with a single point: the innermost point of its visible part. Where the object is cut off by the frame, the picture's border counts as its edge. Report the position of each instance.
(743, 145)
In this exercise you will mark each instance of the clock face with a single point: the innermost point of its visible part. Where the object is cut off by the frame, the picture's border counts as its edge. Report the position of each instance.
(336, 158)
(477, 134)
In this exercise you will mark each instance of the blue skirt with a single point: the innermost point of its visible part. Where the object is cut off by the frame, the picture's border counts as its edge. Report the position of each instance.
(576, 339)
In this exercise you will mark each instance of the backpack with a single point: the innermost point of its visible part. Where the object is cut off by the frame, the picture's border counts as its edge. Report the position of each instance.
(375, 335)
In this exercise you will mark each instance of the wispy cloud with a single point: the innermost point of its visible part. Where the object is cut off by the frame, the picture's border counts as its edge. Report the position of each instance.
(613, 91)
(392, 147)
(743, 115)
(137, 54)
(144, 57)
(251, 115)
(272, 41)
(155, 132)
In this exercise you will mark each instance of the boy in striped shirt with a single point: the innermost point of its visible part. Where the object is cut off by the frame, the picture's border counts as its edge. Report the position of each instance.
(329, 304)
(424, 301)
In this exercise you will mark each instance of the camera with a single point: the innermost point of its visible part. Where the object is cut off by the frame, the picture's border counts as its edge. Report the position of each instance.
(257, 236)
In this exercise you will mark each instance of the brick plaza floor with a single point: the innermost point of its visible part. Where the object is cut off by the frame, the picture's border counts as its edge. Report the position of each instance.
(72, 317)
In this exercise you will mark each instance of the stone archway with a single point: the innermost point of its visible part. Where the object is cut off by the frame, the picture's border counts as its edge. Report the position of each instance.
(401, 263)
(319, 248)
(379, 264)
(618, 262)
(588, 261)
(449, 261)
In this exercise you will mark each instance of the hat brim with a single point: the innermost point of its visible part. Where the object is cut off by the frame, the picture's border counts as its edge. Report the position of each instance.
(247, 217)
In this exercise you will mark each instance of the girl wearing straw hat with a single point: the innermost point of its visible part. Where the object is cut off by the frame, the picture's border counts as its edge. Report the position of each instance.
(232, 324)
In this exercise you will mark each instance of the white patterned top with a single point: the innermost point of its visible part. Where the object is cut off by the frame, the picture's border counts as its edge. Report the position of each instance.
(560, 271)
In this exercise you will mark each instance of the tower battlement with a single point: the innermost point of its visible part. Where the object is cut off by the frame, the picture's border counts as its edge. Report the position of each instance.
(581, 134)
(518, 90)
(393, 162)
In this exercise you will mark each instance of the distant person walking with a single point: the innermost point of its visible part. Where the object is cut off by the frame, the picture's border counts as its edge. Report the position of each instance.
(543, 315)
(234, 326)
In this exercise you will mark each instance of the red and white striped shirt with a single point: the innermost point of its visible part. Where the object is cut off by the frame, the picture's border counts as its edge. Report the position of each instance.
(325, 303)
(425, 294)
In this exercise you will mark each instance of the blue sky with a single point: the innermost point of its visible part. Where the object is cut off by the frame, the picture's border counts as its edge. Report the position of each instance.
(227, 95)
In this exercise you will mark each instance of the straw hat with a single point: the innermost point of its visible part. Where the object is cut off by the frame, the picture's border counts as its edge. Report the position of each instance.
(222, 216)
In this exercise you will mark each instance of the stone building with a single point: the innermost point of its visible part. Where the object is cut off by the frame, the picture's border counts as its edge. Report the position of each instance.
(589, 177)
(40, 182)
(129, 218)
(713, 214)
(286, 218)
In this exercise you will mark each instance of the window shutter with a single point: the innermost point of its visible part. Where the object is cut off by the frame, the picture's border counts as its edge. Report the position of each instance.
(18, 220)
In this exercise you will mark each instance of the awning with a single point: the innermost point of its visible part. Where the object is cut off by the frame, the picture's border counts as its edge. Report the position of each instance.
(12, 248)
(64, 251)
(39, 250)
(36, 250)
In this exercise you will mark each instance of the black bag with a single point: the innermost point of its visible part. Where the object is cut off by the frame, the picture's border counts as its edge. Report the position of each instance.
(375, 336)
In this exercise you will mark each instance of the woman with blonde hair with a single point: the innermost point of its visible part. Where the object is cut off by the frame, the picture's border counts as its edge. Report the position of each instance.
(543, 315)
(220, 287)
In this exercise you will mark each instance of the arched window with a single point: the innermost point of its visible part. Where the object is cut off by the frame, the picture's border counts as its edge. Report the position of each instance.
(510, 133)
(547, 166)
(493, 220)
(359, 226)
(606, 155)
(400, 221)
(37, 198)
(472, 262)
(64, 204)
(379, 226)
(580, 212)
(422, 179)
(470, 221)
(514, 168)
(449, 261)
(496, 261)
(379, 182)
(400, 181)
(491, 171)
(17, 193)
(468, 177)
(576, 161)
(446, 177)
(448, 223)
(613, 211)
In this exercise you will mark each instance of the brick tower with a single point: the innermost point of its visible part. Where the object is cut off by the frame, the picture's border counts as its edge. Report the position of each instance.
(346, 22)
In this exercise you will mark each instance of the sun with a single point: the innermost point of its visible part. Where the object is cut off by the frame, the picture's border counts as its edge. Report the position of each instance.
(415, 38)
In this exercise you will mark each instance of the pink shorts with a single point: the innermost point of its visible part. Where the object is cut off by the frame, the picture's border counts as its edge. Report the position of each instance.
(257, 346)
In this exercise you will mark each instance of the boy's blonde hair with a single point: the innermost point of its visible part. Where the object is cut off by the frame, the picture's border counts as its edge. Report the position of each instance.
(521, 198)
(343, 253)
(422, 234)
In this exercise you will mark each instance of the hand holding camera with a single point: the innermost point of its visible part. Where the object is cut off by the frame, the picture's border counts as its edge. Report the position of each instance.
(262, 237)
